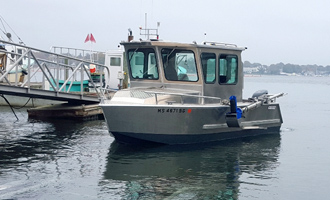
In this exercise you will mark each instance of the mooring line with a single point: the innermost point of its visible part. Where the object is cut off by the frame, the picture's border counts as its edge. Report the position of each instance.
(9, 106)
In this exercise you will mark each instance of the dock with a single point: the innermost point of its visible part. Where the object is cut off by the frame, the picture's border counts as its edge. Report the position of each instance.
(75, 84)
(66, 111)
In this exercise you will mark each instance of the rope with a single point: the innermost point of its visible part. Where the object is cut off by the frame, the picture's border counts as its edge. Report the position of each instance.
(9, 106)
(3, 25)
(2, 19)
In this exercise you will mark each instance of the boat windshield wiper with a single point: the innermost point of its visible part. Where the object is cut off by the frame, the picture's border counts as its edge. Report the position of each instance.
(168, 55)
(130, 58)
(171, 52)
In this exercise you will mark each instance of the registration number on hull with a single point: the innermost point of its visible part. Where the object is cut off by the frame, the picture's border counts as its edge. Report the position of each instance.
(173, 110)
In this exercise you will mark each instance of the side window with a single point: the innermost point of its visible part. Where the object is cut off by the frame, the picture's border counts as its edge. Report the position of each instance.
(179, 65)
(115, 61)
(208, 65)
(228, 69)
(142, 63)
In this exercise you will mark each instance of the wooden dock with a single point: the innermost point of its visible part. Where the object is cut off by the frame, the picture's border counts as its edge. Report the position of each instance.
(66, 111)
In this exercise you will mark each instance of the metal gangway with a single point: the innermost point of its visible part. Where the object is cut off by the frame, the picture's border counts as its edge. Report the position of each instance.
(35, 73)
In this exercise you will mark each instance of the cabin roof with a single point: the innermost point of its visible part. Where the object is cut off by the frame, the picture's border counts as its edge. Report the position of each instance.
(208, 45)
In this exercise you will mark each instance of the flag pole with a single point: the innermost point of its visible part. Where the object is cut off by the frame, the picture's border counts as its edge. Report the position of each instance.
(91, 51)
(92, 39)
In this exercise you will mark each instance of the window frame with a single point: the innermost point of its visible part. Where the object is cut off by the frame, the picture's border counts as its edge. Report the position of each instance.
(228, 66)
(215, 68)
(146, 62)
(178, 50)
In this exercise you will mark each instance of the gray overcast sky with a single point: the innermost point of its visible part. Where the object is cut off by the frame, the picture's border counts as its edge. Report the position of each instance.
(288, 31)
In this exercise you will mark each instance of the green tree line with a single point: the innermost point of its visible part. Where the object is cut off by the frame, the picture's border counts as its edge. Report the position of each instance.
(280, 68)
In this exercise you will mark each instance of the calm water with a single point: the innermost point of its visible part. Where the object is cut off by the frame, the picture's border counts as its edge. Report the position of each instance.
(79, 160)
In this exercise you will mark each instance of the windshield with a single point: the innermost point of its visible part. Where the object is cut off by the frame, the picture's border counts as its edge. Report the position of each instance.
(179, 65)
(142, 63)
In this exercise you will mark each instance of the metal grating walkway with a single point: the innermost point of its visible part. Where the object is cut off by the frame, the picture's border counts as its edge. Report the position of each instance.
(60, 77)
(72, 98)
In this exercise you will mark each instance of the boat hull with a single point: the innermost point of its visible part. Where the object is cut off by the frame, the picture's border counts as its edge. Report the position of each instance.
(184, 124)
(143, 138)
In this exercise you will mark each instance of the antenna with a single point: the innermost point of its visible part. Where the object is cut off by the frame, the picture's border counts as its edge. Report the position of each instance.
(149, 31)
(145, 18)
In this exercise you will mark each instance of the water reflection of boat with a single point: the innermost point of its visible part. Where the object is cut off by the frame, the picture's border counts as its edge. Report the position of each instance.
(201, 171)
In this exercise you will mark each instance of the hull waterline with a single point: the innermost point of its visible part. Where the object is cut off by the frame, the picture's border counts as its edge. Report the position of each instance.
(143, 138)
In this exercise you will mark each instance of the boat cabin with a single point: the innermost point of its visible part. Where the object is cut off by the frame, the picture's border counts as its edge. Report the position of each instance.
(208, 69)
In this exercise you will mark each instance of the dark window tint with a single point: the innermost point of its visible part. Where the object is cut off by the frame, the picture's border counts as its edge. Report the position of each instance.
(228, 69)
(208, 65)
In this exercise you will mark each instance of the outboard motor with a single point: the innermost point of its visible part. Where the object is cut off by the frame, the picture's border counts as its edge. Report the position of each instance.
(259, 93)
(234, 117)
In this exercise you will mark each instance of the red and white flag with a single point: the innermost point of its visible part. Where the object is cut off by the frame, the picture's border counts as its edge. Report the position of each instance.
(90, 37)
(87, 38)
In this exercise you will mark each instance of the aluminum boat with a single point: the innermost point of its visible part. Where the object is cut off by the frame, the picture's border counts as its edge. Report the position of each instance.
(187, 93)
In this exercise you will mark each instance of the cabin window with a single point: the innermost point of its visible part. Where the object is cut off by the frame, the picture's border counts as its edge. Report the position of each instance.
(208, 65)
(115, 61)
(143, 63)
(179, 65)
(228, 69)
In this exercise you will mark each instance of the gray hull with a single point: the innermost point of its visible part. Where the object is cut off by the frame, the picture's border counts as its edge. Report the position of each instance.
(184, 124)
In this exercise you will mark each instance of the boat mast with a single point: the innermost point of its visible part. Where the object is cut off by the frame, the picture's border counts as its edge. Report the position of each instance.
(146, 17)
(147, 32)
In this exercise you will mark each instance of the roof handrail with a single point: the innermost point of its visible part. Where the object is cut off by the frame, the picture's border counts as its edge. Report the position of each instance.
(218, 43)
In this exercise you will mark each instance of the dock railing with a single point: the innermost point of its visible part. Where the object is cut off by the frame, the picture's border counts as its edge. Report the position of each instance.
(93, 56)
(28, 67)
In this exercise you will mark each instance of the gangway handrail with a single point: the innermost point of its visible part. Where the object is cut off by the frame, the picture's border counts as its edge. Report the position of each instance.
(69, 50)
(30, 53)
(14, 65)
(59, 47)
(47, 52)
(40, 66)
